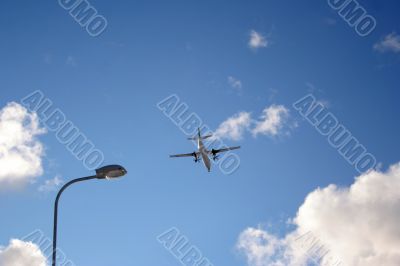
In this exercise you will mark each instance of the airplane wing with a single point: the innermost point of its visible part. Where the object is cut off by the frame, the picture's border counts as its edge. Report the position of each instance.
(224, 149)
(185, 155)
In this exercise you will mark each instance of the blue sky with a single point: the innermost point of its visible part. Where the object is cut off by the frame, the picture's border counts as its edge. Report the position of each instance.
(109, 86)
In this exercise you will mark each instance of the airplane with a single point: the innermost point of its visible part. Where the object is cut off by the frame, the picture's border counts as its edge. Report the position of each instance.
(203, 153)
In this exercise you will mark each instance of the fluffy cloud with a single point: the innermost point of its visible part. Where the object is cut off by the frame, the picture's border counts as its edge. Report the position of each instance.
(20, 151)
(257, 40)
(391, 43)
(20, 253)
(355, 226)
(270, 123)
(234, 127)
(260, 247)
(51, 184)
(271, 120)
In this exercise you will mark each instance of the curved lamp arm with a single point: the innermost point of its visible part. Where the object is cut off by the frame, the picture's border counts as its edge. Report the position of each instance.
(56, 211)
(105, 172)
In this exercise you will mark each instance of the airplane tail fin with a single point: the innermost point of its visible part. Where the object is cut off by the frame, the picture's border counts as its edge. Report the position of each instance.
(198, 136)
(202, 137)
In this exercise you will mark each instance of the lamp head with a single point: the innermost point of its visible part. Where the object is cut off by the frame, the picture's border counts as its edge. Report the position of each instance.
(110, 171)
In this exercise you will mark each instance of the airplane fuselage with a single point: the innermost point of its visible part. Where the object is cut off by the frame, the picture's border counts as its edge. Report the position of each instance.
(204, 154)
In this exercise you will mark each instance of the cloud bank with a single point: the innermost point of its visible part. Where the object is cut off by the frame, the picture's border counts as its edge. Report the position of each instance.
(20, 253)
(20, 150)
(352, 226)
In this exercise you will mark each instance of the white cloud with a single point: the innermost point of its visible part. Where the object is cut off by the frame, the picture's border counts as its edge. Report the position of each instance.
(234, 127)
(51, 184)
(260, 247)
(257, 40)
(20, 253)
(20, 151)
(235, 83)
(391, 43)
(356, 225)
(271, 120)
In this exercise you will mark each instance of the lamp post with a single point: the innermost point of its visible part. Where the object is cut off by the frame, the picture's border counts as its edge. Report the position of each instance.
(106, 172)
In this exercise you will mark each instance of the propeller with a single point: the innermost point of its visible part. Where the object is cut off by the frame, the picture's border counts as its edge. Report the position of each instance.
(214, 153)
(196, 158)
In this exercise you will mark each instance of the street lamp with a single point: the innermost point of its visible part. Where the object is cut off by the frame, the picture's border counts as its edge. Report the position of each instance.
(106, 172)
